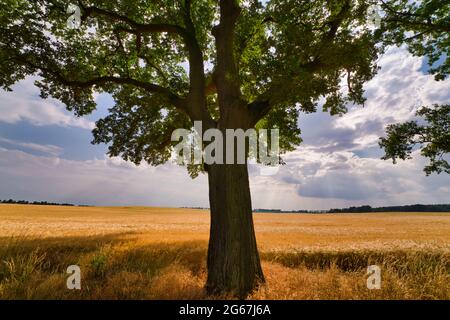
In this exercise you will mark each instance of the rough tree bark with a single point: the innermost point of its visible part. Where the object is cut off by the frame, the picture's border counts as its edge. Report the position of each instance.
(233, 260)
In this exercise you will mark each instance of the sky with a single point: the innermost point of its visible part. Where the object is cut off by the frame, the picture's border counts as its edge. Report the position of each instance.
(46, 154)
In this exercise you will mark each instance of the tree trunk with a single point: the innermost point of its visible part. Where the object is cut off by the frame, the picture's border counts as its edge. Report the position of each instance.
(233, 261)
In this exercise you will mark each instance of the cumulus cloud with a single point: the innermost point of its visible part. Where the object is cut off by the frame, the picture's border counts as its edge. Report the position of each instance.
(43, 148)
(337, 166)
(108, 181)
(339, 163)
(393, 96)
(398, 90)
(323, 180)
(24, 104)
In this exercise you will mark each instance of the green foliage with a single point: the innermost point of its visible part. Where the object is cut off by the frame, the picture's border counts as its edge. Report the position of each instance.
(289, 130)
(169, 63)
(433, 138)
(136, 130)
(99, 264)
(424, 26)
(300, 51)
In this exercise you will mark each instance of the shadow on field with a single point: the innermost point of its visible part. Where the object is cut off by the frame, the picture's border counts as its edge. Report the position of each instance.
(126, 266)
(114, 266)
(402, 261)
(55, 252)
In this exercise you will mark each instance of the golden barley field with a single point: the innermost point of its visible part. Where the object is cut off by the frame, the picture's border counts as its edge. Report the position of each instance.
(160, 253)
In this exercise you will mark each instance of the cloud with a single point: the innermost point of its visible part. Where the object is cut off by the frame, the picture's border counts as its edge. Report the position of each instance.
(43, 148)
(24, 104)
(339, 162)
(398, 90)
(337, 166)
(108, 181)
(393, 96)
(322, 180)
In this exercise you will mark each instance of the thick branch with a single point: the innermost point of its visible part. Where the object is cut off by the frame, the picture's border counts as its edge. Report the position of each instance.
(210, 88)
(259, 109)
(409, 18)
(421, 24)
(174, 99)
(197, 98)
(245, 42)
(196, 103)
(336, 22)
(228, 87)
(262, 105)
(136, 27)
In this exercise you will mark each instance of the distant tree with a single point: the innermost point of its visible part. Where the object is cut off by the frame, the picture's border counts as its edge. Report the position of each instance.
(407, 208)
(424, 26)
(433, 138)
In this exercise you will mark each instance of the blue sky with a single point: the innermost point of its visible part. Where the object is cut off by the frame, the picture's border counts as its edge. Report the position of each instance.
(46, 154)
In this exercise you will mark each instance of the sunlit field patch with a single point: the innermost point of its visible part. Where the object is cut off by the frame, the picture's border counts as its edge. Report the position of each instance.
(160, 253)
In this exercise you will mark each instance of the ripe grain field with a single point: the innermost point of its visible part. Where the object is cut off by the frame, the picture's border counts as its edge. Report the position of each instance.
(160, 253)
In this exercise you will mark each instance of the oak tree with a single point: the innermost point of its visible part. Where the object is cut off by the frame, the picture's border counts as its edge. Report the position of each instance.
(230, 64)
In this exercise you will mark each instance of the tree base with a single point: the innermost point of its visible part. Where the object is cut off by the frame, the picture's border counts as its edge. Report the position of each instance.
(234, 266)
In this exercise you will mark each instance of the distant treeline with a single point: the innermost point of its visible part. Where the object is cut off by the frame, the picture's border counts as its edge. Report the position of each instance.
(40, 203)
(368, 209)
(291, 211)
(408, 208)
(361, 209)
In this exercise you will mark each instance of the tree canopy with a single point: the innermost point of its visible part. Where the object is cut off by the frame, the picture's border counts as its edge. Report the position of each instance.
(165, 63)
(231, 64)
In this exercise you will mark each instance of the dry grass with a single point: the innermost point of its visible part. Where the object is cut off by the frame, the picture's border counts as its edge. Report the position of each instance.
(154, 253)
